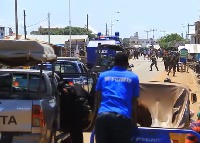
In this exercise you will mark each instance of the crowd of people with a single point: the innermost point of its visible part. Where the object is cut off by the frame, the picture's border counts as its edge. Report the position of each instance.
(169, 58)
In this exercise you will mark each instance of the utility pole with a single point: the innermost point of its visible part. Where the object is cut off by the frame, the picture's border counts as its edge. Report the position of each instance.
(49, 28)
(16, 20)
(111, 25)
(87, 22)
(25, 24)
(182, 35)
(163, 32)
(153, 32)
(189, 30)
(147, 34)
(70, 30)
(106, 29)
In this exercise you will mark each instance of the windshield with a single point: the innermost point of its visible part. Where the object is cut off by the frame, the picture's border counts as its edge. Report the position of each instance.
(21, 86)
(105, 62)
(66, 68)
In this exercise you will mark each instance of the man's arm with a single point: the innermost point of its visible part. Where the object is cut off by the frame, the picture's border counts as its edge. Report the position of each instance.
(98, 99)
(134, 112)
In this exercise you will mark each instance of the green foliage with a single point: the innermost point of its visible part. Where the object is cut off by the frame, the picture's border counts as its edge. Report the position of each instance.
(170, 40)
(66, 31)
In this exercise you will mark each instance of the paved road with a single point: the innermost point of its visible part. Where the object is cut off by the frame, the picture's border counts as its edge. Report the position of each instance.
(142, 67)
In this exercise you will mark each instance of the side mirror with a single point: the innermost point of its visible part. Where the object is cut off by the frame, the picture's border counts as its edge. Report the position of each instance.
(193, 98)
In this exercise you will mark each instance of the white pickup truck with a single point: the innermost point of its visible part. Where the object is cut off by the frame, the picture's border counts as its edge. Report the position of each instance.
(28, 110)
(31, 108)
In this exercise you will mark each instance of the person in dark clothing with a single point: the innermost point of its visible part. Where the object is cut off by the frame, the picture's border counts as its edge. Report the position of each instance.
(166, 60)
(177, 61)
(172, 65)
(72, 113)
(154, 62)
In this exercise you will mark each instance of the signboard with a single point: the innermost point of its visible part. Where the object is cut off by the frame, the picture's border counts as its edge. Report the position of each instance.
(147, 136)
(2, 32)
(183, 55)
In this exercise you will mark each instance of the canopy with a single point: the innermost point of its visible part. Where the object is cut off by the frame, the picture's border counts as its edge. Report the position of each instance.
(192, 48)
(25, 53)
(167, 102)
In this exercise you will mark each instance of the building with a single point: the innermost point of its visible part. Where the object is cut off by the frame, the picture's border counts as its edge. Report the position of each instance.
(43, 29)
(135, 41)
(2, 32)
(197, 32)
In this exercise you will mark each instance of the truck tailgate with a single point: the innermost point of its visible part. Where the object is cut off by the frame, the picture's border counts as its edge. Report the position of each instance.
(15, 115)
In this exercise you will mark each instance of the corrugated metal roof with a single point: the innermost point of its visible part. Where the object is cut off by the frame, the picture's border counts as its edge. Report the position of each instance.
(54, 39)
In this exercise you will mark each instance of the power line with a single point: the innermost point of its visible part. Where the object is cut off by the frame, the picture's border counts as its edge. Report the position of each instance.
(37, 23)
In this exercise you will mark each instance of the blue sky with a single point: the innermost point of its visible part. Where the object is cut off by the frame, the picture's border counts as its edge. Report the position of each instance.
(134, 16)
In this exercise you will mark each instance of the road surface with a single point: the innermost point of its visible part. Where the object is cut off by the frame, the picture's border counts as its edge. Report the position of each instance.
(142, 67)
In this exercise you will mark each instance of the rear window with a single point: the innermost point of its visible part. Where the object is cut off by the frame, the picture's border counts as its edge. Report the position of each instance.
(66, 68)
(21, 83)
(105, 62)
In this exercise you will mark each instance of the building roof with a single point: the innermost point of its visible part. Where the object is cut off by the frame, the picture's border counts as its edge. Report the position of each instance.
(54, 39)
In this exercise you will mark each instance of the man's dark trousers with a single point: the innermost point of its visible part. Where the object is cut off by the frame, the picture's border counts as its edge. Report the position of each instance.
(112, 127)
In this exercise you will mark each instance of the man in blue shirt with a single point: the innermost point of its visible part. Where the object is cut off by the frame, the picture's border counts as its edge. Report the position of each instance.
(117, 89)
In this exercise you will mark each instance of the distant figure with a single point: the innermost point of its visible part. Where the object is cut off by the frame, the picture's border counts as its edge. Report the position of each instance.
(149, 54)
(81, 52)
(172, 65)
(144, 53)
(154, 62)
(135, 54)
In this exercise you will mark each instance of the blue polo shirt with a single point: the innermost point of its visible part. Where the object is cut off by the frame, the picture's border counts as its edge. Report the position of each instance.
(117, 86)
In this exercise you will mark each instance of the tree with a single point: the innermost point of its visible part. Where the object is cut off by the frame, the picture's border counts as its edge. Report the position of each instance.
(66, 31)
(170, 40)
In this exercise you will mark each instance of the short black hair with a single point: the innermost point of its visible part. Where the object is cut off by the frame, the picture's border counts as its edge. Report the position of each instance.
(121, 59)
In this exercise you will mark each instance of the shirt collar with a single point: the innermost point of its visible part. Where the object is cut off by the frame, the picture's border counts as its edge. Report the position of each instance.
(118, 68)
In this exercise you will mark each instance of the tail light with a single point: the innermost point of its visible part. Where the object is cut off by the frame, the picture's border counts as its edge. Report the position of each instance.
(70, 83)
(37, 116)
(16, 83)
(175, 141)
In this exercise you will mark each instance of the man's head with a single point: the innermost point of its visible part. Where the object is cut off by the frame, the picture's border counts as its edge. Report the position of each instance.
(121, 59)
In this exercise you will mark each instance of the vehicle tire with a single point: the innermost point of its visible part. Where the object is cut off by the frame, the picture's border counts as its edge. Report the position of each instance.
(6, 138)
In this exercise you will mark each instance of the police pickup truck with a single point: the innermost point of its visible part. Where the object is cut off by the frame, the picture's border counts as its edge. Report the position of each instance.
(28, 110)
